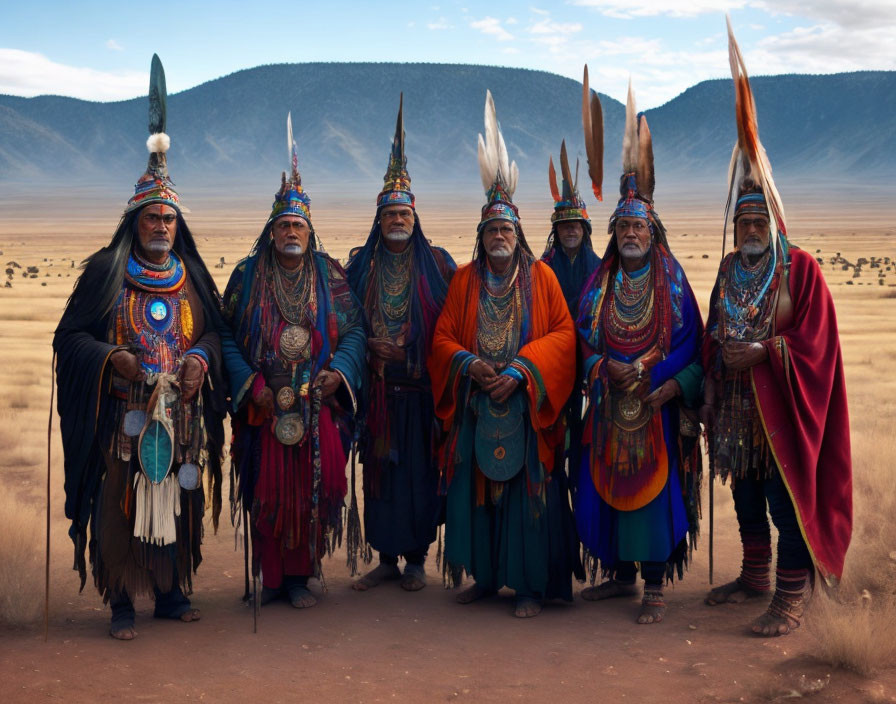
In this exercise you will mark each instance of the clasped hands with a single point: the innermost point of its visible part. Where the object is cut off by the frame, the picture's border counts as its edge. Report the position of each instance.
(743, 355)
(626, 376)
(497, 386)
(190, 376)
(326, 379)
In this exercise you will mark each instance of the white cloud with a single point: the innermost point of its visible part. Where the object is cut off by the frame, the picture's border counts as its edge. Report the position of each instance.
(114, 45)
(28, 74)
(846, 13)
(546, 26)
(492, 26)
(441, 23)
(511, 20)
(628, 9)
(539, 11)
(824, 48)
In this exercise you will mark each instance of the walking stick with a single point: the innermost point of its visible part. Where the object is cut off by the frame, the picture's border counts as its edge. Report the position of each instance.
(49, 450)
(712, 475)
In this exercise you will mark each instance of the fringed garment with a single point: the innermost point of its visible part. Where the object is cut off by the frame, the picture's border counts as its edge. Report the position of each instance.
(402, 294)
(638, 490)
(145, 535)
(288, 469)
(745, 311)
(517, 533)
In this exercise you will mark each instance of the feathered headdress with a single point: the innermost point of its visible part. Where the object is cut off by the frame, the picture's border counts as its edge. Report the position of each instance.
(638, 181)
(749, 172)
(499, 174)
(593, 125)
(291, 199)
(154, 185)
(568, 204)
(397, 181)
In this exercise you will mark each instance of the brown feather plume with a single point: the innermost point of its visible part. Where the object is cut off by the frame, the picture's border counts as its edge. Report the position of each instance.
(754, 162)
(593, 124)
(568, 183)
(646, 175)
(552, 180)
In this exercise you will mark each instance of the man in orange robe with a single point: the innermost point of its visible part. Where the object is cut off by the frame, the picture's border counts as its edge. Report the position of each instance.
(502, 368)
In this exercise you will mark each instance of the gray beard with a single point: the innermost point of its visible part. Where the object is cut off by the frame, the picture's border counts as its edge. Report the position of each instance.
(157, 247)
(397, 236)
(753, 250)
(502, 254)
(292, 250)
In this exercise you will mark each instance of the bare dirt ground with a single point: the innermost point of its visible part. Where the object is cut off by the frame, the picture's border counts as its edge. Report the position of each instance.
(387, 644)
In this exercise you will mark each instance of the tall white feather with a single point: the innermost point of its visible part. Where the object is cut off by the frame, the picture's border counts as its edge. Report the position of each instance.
(630, 145)
(494, 160)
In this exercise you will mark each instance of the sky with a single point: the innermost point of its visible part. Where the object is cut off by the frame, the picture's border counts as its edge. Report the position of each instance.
(101, 50)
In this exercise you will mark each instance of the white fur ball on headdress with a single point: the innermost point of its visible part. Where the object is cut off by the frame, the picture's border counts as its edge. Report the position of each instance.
(158, 142)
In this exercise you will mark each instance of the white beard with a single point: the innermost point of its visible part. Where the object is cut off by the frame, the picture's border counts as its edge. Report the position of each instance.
(292, 250)
(501, 253)
(158, 247)
(397, 236)
(753, 249)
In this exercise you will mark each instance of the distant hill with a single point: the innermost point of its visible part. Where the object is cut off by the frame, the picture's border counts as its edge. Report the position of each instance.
(230, 131)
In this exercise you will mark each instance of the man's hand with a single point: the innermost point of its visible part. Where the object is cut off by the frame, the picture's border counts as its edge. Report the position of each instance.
(743, 355)
(328, 381)
(662, 395)
(621, 374)
(483, 374)
(386, 350)
(264, 400)
(127, 366)
(502, 387)
(191, 378)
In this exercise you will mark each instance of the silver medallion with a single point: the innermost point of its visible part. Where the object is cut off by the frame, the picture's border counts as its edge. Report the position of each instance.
(134, 421)
(290, 429)
(286, 397)
(294, 342)
(188, 476)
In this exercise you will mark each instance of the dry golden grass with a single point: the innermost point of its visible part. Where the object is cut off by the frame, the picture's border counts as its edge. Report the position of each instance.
(21, 562)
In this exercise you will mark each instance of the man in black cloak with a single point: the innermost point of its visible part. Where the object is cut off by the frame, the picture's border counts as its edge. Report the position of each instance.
(141, 399)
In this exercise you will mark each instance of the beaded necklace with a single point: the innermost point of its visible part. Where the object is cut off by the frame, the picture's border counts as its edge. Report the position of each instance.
(294, 292)
(393, 279)
(500, 308)
(747, 297)
(629, 319)
(161, 278)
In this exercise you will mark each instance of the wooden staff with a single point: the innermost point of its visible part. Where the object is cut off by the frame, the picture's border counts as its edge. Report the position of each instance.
(49, 456)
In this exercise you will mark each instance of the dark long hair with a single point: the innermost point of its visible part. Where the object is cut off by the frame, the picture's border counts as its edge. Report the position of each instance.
(99, 285)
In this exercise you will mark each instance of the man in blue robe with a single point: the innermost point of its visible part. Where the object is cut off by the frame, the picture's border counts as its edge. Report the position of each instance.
(638, 320)
(401, 280)
(301, 332)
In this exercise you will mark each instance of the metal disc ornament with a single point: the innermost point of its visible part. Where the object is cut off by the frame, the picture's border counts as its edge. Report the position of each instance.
(290, 429)
(286, 397)
(188, 476)
(134, 421)
(294, 341)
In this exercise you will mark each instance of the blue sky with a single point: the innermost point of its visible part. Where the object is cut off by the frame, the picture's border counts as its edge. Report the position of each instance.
(101, 50)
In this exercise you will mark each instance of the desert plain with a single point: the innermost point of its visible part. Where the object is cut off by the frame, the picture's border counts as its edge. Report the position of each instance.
(388, 645)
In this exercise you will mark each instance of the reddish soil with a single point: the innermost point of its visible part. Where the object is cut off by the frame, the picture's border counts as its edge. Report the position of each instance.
(387, 644)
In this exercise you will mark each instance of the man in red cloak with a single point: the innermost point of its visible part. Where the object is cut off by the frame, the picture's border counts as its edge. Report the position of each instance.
(775, 396)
